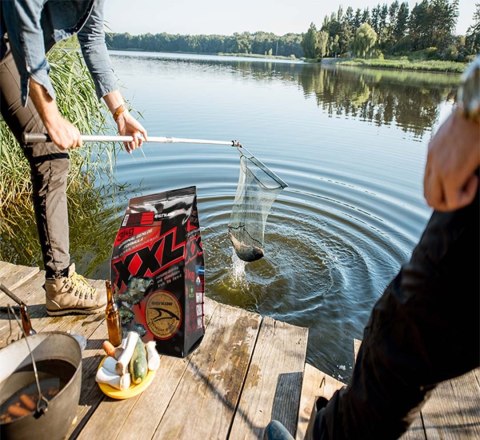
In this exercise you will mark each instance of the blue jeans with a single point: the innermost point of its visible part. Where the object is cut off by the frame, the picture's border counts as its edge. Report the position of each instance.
(422, 331)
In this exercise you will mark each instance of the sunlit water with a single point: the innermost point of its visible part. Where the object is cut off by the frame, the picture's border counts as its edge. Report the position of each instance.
(351, 146)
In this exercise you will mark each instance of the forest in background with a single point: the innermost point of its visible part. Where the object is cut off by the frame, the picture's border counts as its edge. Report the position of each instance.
(387, 30)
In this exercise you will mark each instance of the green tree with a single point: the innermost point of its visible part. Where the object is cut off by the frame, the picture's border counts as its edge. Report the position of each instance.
(432, 23)
(401, 24)
(376, 18)
(322, 41)
(334, 45)
(366, 16)
(364, 41)
(347, 31)
(309, 42)
(357, 20)
(472, 37)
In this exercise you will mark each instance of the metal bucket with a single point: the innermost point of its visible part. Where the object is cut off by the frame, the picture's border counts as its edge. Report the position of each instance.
(49, 350)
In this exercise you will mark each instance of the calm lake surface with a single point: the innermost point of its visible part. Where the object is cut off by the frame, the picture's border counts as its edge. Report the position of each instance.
(350, 144)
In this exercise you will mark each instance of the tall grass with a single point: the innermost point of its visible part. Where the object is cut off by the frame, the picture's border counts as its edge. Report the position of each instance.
(78, 103)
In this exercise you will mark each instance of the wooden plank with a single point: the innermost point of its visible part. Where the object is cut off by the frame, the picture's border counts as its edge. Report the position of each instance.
(90, 395)
(273, 385)
(453, 410)
(5, 267)
(315, 384)
(31, 291)
(416, 431)
(13, 276)
(204, 402)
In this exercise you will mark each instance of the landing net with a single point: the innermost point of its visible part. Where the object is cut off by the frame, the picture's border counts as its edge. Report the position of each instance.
(257, 189)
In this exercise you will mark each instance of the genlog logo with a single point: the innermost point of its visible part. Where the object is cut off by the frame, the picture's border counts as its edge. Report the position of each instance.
(163, 314)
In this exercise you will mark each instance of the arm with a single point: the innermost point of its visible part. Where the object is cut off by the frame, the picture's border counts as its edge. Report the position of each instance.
(94, 50)
(64, 134)
(450, 181)
(22, 22)
(126, 123)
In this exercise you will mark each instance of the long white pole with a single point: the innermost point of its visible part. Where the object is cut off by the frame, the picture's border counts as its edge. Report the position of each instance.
(30, 138)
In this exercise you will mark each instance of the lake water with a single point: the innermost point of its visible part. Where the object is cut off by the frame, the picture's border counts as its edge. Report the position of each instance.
(350, 144)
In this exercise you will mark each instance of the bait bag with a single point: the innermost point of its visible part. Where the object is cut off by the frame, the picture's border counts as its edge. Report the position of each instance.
(157, 271)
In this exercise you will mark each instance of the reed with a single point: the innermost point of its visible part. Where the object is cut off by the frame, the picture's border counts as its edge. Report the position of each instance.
(78, 103)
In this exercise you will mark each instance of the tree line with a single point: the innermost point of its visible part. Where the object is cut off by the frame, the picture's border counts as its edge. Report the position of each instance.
(386, 29)
(261, 43)
(392, 29)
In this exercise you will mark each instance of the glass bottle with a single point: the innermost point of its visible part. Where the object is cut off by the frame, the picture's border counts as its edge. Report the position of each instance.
(26, 323)
(112, 316)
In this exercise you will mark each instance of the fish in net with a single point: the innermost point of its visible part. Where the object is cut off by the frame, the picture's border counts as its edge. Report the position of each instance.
(257, 189)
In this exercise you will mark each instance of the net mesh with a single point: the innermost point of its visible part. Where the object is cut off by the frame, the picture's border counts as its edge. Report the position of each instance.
(257, 189)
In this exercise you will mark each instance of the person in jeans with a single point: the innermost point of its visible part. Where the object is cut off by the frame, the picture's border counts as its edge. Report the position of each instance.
(425, 327)
(28, 29)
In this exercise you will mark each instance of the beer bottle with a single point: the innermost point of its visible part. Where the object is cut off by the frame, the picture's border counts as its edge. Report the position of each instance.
(26, 323)
(112, 316)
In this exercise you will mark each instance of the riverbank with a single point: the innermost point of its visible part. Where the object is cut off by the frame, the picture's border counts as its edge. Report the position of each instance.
(256, 55)
(400, 64)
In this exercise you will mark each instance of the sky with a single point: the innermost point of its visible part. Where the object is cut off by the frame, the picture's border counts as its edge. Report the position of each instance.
(226, 17)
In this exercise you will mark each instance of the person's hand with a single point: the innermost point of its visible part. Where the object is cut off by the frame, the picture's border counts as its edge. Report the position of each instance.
(450, 181)
(63, 133)
(129, 126)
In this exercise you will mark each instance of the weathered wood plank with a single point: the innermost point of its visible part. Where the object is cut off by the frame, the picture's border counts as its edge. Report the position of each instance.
(3, 267)
(453, 410)
(315, 384)
(90, 395)
(213, 380)
(416, 431)
(273, 384)
(13, 276)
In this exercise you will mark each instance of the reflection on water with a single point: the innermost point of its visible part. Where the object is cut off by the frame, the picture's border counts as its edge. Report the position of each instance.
(349, 143)
(409, 100)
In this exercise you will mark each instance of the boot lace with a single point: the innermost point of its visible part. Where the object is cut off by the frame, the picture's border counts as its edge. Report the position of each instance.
(79, 286)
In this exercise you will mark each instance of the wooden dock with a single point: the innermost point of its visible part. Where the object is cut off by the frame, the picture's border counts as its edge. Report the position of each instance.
(248, 370)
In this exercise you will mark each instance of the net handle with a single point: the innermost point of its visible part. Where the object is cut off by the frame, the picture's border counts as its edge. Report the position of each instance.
(32, 138)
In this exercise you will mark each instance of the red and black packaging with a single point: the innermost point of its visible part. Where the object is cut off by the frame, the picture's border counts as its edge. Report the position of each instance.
(157, 271)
